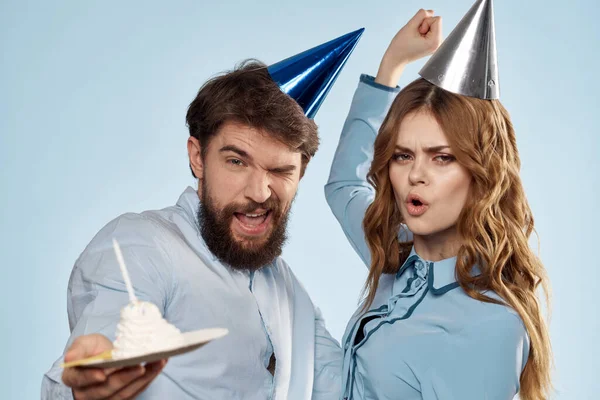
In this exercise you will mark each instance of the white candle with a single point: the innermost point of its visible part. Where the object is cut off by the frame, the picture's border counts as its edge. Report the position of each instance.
(126, 278)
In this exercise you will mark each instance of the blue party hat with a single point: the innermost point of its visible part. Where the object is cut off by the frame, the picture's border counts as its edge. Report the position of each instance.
(307, 77)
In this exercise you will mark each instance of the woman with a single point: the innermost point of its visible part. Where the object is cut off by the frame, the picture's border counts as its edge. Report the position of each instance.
(453, 313)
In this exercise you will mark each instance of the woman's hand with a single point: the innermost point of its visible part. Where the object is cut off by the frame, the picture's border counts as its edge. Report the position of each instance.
(420, 37)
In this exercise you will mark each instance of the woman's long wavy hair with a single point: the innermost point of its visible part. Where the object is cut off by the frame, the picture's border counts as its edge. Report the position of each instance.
(494, 225)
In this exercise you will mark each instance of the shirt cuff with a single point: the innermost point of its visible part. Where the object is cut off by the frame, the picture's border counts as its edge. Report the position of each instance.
(369, 80)
(371, 101)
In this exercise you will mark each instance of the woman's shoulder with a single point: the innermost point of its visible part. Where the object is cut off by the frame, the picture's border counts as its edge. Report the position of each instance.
(496, 320)
(481, 317)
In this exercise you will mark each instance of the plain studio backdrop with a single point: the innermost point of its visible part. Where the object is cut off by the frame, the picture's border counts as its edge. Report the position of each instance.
(93, 97)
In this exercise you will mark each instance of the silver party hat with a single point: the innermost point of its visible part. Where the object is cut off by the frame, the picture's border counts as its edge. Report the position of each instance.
(466, 63)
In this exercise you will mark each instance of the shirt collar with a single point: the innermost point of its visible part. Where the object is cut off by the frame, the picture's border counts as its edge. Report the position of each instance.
(442, 277)
(189, 202)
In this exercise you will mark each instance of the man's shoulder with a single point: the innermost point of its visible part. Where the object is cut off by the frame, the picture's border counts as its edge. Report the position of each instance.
(143, 225)
(148, 228)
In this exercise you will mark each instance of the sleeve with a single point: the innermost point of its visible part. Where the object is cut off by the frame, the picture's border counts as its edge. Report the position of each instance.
(328, 363)
(96, 291)
(347, 190)
(492, 356)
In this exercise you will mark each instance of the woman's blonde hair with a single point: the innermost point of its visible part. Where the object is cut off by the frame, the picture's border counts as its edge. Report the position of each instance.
(494, 225)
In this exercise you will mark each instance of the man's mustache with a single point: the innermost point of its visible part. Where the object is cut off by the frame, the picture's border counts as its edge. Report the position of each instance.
(270, 205)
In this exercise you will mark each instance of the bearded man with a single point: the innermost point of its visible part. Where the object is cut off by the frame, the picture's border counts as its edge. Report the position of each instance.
(213, 259)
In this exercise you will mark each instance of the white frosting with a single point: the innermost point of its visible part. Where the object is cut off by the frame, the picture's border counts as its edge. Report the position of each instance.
(142, 330)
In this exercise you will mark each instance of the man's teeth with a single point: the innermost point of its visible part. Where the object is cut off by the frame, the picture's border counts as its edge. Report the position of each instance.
(255, 215)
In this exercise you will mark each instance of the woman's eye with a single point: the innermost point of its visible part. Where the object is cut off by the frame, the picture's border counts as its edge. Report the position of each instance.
(445, 158)
(401, 157)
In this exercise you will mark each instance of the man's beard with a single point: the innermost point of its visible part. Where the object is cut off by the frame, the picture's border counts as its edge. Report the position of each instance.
(215, 227)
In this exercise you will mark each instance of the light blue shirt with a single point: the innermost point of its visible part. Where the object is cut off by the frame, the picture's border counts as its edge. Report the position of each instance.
(266, 311)
(423, 337)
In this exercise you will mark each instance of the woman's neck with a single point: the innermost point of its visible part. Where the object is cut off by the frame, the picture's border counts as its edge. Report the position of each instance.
(437, 246)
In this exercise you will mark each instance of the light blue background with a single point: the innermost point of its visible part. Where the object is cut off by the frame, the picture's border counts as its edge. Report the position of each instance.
(93, 97)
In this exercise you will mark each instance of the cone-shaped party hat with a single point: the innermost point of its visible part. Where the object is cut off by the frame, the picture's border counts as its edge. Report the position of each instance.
(307, 77)
(466, 63)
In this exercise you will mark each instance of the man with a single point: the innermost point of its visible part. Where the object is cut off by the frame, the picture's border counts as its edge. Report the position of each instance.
(213, 259)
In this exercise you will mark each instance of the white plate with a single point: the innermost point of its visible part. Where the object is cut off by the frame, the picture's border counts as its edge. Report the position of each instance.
(191, 341)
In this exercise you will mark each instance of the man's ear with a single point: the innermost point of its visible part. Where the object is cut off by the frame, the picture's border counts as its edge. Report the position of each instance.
(195, 157)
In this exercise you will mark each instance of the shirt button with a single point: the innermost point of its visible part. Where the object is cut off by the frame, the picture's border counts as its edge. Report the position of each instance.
(346, 346)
